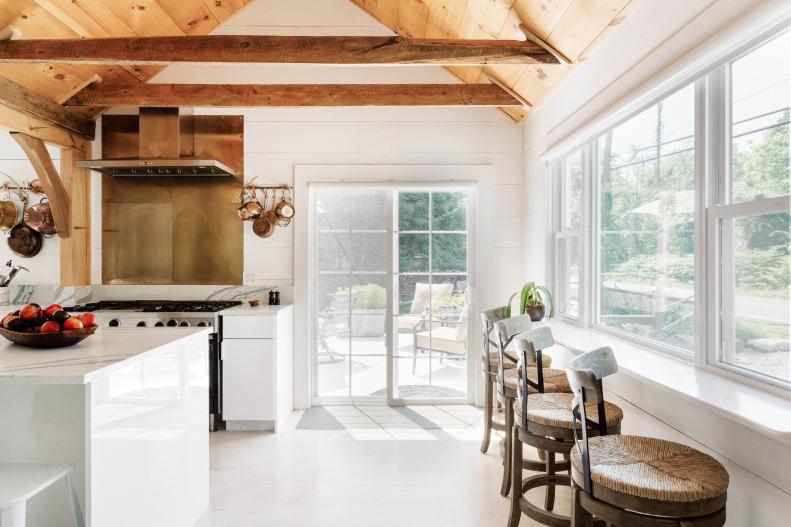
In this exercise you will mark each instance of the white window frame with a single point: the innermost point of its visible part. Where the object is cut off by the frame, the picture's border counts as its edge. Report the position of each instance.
(594, 202)
(718, 179)
(562, 232)
(712, 166)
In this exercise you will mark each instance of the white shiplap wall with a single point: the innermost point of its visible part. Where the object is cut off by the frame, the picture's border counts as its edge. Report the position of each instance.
(44, 267)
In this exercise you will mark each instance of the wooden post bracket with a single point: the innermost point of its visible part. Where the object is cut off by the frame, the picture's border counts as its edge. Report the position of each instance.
(50, 179)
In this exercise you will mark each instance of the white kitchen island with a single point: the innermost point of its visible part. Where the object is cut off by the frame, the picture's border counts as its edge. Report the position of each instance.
(129, 408)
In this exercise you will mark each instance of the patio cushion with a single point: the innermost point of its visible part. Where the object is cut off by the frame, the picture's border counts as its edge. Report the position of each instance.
(554, 409)
(425, 294)
(554, 380)
(444, 339)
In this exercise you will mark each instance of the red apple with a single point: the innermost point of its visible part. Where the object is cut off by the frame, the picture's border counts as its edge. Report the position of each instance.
(7, 320)
(29, 312)
(88, 320)
(51, 310)
(50, 326)
(72, 323)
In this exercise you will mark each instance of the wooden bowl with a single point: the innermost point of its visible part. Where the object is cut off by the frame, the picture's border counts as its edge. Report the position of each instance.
(59, 339)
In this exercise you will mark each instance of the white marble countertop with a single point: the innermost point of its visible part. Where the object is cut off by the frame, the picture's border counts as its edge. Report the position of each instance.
(80, 363)
(246, 309)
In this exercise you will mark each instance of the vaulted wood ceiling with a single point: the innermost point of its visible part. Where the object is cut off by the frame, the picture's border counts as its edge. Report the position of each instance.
(573, 27)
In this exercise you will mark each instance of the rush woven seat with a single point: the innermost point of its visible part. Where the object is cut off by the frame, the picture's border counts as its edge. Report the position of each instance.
(652, 468)
(494, 360)
(555, 381)
(554, 409)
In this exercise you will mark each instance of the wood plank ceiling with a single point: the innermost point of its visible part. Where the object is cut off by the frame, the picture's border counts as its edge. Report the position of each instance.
(102, 18)
(572, 27)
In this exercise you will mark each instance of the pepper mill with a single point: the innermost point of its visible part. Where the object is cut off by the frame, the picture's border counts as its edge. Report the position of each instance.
(271, 298)
(277, 298)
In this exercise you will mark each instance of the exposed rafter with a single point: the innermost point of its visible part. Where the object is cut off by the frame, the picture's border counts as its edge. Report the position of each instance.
(19, 99)
(240, 95)
(266, 49)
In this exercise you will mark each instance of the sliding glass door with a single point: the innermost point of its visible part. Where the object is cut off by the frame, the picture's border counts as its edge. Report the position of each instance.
(390, 294)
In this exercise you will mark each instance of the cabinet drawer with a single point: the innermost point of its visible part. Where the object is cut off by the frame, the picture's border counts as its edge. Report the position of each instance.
(247, 327)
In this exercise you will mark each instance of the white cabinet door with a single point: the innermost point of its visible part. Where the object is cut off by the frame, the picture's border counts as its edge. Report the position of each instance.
(248, 380)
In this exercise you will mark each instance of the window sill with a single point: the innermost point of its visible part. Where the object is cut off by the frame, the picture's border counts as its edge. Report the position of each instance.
(760, 411)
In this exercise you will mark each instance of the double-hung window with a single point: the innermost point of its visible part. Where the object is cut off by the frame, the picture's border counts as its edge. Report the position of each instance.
(748, 223)
(569, 176)
(645, 285)
(688, 201)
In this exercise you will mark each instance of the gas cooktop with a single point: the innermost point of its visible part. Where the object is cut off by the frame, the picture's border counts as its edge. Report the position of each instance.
(156, 306)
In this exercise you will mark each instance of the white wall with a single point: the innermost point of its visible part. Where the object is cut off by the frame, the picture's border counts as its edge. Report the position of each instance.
(45, 266)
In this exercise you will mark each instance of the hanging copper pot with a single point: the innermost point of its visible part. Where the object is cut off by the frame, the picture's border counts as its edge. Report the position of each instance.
(250, 208)
(35, 186)
(9, 214)
(285, 209)
(39, 218)
(24, 241)
(264, 225)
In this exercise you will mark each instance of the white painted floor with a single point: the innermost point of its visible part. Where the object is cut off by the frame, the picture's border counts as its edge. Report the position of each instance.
(383, 470)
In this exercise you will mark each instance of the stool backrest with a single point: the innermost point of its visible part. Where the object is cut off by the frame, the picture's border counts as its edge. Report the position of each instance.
(585, 374)
(529, 347)
(507, 329)
(488, 319)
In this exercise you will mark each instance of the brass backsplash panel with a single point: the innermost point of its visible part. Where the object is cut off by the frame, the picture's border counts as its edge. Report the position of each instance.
(173, 230)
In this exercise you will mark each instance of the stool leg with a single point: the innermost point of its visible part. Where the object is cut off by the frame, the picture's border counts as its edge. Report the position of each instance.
(487, 414)
(516, 481)
(579, 516)
(509, 433)
(76, 511)
(549, 498)
(13, 515)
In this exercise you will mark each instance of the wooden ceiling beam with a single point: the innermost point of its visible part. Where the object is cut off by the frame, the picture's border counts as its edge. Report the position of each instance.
(16, 99)
(268, 49)
(42, 163)
(252, 95)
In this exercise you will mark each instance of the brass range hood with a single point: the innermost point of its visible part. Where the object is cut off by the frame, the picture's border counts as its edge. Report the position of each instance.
(159, 152)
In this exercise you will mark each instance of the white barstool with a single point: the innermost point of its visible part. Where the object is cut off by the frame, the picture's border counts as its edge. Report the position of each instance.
(21, 481)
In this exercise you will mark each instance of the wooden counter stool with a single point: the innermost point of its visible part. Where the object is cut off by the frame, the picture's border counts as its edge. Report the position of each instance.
(490, 359)
(639, 481)
(545, 422)
(540, 379)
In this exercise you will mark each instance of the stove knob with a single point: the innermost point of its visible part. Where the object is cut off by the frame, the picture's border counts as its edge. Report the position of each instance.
(172, 323)
(159, 324)
(184, 324)
(142, 324)
(114, 323)
(203, 324)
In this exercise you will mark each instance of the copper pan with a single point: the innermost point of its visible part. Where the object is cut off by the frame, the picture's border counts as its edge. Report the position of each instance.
(39, 218)
(285, 209)
(9, 214)
(24, 241)
(264, 225)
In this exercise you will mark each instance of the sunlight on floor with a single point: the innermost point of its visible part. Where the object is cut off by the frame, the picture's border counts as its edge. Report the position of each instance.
(408, 423)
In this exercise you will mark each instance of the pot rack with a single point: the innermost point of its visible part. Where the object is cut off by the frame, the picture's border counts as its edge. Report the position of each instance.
(269, 187)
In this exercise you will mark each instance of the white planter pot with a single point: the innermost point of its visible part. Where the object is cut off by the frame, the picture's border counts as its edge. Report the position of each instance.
(368, 323)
